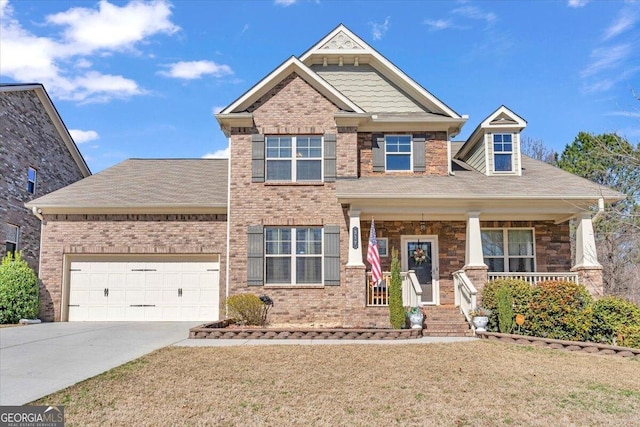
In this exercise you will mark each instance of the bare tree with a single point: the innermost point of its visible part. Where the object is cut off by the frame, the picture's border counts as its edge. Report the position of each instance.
(536, 149)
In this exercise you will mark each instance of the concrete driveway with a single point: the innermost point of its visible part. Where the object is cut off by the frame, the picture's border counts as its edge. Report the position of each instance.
(37, 360)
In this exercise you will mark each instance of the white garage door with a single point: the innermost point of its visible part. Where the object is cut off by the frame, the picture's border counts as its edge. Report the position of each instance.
(167, 290)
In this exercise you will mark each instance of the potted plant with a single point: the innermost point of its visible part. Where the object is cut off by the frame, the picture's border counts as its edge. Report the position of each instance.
(415, 317)
(480, 318)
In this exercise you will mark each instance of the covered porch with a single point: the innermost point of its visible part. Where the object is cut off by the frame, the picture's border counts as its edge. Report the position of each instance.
(465, 249)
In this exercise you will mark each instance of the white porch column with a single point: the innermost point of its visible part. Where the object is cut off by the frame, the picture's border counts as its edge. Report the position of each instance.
(586, 254)
(473, 254)
(355, 240)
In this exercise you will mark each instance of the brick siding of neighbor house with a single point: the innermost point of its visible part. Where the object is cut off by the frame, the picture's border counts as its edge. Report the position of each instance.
(174, 234)
(29, 138)
(292, 107)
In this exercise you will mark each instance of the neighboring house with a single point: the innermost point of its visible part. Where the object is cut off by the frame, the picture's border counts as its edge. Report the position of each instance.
(37, 156)
(322, 145)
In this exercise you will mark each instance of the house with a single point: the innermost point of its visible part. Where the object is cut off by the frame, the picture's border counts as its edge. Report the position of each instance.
(321, 147)
(37, 156)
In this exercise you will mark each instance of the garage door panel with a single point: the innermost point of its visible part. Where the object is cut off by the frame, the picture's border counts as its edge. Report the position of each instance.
(143, 290)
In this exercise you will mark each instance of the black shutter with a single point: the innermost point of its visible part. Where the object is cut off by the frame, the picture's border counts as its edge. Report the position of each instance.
(257, 158)
(377, 148)
(255, 255)
(419, 154)
(330, 157)
(332, 255)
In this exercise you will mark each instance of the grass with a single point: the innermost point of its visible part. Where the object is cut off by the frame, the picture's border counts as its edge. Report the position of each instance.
(479, 383)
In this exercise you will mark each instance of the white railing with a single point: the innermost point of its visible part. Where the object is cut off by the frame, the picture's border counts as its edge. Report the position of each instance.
(378, 294)
(533, 278)
(411, 290)
(465, 293)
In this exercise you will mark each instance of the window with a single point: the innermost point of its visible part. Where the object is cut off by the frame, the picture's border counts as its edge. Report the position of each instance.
(502, 152)
(398, 152)
(383, 244)
(293, 255)
(11, 238)
(31, 180)
(284, 165)
(508, 250)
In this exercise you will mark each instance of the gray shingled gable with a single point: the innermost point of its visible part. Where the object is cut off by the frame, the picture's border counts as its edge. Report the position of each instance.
(147, 183)
(368, 88)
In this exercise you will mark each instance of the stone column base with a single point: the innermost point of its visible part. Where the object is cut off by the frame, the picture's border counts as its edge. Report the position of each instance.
(591, 278)
(479, 278)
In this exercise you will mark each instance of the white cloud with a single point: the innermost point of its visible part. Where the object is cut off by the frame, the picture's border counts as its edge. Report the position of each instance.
(196, 69)
(438, 24)
(220, 154)
(284, 3)
(61, 62)
(81, 136)
(577, 3)
(379, 30)
(476, 13)
(630, 114)
(606, 58)
(112, 27)
(626, 19)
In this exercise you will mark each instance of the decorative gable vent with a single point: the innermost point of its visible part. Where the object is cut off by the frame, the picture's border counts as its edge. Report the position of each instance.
(341, 41)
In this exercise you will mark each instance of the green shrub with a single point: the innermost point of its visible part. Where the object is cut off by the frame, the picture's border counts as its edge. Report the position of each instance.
(396, 310)
(505, 310)
(19, 290)
(615, 321)
(246, 309)
(560, 310)
(520, 291)
(630, 336)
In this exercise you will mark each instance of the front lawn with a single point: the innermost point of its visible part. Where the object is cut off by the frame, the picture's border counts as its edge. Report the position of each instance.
(479, 383)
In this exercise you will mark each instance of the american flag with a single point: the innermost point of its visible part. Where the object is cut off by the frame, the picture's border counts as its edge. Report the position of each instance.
(373, 256)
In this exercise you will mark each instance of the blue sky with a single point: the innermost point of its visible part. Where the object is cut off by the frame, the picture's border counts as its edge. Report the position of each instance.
(143, 78)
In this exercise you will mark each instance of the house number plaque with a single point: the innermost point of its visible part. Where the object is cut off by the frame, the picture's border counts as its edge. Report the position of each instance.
(355, 239)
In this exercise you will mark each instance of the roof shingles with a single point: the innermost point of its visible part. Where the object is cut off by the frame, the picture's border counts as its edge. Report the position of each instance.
(147, 183)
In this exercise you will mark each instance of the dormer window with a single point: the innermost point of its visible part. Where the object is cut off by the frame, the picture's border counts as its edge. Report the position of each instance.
(502, 152)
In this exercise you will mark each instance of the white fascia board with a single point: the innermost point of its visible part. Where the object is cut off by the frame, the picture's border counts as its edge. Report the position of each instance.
(293, 64)
(114, 210)
(520, 122)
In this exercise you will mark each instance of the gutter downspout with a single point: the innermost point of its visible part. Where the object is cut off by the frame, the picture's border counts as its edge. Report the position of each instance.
(38, 213)
(228, 226)
(600, 209)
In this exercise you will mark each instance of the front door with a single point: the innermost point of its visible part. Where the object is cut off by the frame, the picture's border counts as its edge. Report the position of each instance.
(420, 254)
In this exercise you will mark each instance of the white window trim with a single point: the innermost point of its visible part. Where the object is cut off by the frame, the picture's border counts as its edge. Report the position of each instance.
(386, 168)
(35, 181)
(17, 235)
(384, 254)
(293, 159)
(512, 153)
(293, 255)
(505, 246)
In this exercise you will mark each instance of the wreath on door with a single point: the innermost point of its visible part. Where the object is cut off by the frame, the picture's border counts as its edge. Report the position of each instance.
(419, 256)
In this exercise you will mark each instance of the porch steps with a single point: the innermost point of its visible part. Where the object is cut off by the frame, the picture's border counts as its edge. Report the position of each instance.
(445, 321)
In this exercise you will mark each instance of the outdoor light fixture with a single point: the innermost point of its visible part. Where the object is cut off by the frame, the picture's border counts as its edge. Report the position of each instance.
(423, 225)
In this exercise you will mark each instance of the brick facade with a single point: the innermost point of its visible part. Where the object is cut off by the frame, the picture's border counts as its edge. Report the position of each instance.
(436, 160)
(123, 234)
(291, 107)
(28, 138)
